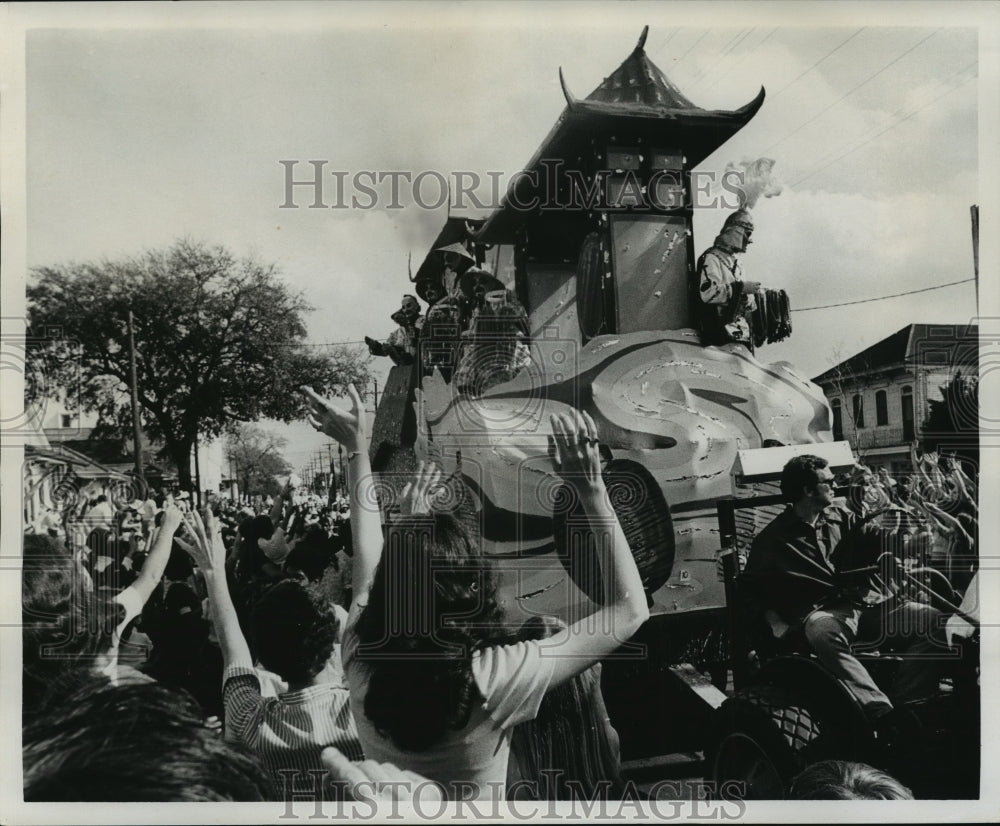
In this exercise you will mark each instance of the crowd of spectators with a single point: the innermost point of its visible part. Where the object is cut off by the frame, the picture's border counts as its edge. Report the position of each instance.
(234, 652)
(929, 520)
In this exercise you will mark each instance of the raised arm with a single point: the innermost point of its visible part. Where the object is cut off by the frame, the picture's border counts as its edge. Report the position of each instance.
(962, 484)
(624, 608)
(348, 428)
(156, 563)
(204, 544)
(279, 503)
(948, 523)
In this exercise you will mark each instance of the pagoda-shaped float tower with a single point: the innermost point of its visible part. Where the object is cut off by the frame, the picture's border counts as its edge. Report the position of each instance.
(597, 227)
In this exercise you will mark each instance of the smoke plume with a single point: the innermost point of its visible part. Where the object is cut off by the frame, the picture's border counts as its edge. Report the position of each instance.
(758, 179)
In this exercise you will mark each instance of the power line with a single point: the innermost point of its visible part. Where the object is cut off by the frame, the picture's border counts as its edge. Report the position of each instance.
(884, 297)
(901, 110)
(739, 40)
(851, 91)
(681, 58)
(830, 53)
(891, 126)
(744, 57)
(730, 44)
(323, 344)
(663, 45)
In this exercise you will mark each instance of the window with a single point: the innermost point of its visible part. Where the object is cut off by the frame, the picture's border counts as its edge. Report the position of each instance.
(881, 408)
(859, 411)
(838, 420)
(67, 420)
(906, 398)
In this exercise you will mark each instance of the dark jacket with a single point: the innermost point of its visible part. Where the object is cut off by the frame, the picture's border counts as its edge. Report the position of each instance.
(793, 566)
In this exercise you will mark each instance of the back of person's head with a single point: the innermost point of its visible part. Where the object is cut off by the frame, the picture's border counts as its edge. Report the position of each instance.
(294, 631)
(844, 780)
(433, 601)
(179, 564)
(138, 742)
(181, 600)
(799, 475)
(312, 554)
(258, 527)
(55, 617)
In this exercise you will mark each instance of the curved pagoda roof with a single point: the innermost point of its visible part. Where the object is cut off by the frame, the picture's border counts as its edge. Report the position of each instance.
(636, 100)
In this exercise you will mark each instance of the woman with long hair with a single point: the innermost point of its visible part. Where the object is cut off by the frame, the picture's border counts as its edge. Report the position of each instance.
(436, 681)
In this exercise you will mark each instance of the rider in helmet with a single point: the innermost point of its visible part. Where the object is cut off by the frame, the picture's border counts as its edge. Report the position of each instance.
(723, 298)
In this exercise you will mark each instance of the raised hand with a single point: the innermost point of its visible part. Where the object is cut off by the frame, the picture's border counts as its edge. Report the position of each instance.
(203, 541)
(577, 456)
(344, 426)
(277, 547)
(417, 495)
(172, 517)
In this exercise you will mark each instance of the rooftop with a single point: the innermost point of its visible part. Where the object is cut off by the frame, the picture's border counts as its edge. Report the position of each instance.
(915, 345)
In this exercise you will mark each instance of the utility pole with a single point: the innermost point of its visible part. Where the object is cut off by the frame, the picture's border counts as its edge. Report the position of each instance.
(333, 475)
(197, 473)
(136, 430)
(343, 478)
(974, 210)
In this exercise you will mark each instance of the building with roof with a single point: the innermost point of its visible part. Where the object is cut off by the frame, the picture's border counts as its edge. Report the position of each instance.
(76, 432)
(879, 397)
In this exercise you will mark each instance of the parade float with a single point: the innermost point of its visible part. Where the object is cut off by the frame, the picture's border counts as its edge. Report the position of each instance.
(594, 240)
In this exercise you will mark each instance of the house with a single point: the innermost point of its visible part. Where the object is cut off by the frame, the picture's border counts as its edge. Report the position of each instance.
(879, 397)
(74, 430)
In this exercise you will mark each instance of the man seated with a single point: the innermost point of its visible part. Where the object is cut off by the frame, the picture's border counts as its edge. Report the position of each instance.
(795, 578)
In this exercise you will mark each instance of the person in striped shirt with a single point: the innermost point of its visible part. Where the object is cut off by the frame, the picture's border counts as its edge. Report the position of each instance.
(295, 637)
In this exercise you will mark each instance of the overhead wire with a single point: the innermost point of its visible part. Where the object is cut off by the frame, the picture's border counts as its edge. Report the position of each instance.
(851, 91)
(694, 81)
(887, 129)
(323, 344)
(829, 54)
(663, 45)
(898, 111)
(691, 49)
(883, 297)
(747, 54)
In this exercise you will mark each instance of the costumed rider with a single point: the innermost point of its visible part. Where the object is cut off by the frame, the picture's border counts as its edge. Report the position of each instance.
(401, 345)
(448, 315)
(495, 347)
(724, 300)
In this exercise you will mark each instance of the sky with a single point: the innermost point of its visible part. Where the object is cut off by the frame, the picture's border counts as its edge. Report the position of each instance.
(152, 124)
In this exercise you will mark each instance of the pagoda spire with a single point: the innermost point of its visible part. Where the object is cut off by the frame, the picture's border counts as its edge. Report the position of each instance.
(640, 81)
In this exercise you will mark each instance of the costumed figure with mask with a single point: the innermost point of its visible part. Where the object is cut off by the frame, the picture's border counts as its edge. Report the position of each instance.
(447, 317)
(401, 345)
(722, 298)
(495, 346)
